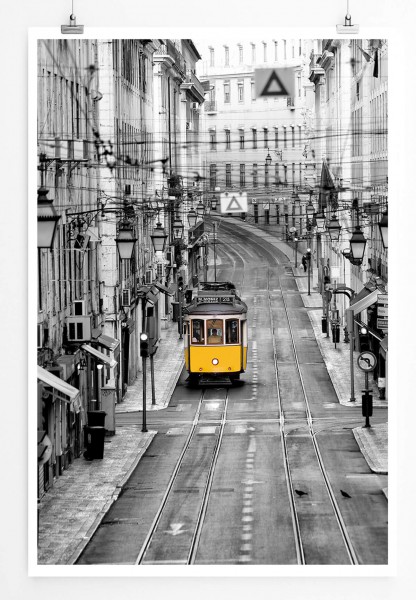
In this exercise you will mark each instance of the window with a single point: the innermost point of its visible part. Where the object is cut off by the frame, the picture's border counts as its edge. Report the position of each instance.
(211, 57)
(276, 137)
(293, 173)
(293, 49)
(255, 176)
(284, 49)
(284, 137)
(227, 139)
(242, 175)
(254, 138)
(212, 176)
(197, 334)
(253, 91)
(228, 175)
(213, 140)
(227, 56)
(264, 52)
(240, 91)
(275, 51)
(253, 53)
(266, 137)
(231, 331)
(241, 140)
(300, 47)
(285, 173)
(215, 331)
(226, 92)
(266, 175)
(240, 54)
(293, 135)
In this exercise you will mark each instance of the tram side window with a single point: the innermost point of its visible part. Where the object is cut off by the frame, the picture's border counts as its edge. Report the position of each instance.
(215, 329)
(197, 331)
(231, 331)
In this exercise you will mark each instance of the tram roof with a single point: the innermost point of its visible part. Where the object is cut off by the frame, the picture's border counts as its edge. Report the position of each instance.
(211, 308)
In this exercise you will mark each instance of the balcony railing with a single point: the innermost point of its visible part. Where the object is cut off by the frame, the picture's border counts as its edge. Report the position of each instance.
(169, 49)
(192, 78)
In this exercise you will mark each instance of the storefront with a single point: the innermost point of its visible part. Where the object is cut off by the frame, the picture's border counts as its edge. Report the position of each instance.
(59, 408)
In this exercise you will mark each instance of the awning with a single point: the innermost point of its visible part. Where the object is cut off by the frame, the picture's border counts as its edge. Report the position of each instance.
(100, 355)
(107, 341)
(364, 299)
(147, 292)
(71, 394)
(384, 346)
(162, 288)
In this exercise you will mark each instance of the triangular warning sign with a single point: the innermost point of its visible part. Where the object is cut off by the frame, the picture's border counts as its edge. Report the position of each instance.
(234, 205)
(274, 87)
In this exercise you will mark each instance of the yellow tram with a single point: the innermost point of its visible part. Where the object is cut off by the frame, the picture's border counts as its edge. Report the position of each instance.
(215, 328)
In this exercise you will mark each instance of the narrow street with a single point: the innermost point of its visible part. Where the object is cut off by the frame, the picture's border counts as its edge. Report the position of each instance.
(217, 484)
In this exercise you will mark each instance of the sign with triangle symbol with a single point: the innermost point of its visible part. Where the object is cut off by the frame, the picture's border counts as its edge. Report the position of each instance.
(274, 87)
(275, 82)
(234, 203)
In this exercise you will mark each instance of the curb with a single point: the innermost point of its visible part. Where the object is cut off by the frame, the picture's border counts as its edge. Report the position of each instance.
(372, 463)
(97, 521)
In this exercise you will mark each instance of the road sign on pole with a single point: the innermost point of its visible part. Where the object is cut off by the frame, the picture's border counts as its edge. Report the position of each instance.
(274, 82)
(234, 202)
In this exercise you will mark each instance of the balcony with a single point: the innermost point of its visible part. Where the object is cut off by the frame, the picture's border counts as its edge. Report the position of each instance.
(193, 86)
(171, 56)
(210, 107)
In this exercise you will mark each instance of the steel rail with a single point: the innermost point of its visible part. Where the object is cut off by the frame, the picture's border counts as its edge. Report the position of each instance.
(164, 500)
(347, 541)
(207, 490)
(290, 489)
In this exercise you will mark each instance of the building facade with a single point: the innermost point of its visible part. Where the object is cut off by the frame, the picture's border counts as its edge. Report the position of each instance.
(115, 157)
(242, 130)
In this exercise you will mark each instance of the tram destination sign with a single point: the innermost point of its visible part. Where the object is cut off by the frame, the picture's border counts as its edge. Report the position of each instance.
(214, 299)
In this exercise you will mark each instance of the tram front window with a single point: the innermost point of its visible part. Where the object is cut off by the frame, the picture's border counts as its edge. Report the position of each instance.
(197, 331)
(231, 331)
(215, 331)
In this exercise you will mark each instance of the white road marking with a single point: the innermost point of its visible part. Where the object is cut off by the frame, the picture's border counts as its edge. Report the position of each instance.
(175, 529)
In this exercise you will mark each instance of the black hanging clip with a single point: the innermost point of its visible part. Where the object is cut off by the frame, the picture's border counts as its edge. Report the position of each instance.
(72, 27)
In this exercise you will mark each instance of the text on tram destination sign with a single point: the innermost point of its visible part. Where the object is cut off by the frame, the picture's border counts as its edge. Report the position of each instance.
(214, 299)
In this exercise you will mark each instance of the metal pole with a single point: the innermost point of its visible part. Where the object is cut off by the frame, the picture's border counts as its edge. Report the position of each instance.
(144, 427)
(367, 418)
(152, 376)
(350, 325)
(215, 252)
(309, 275)
(296, 253)
(180, 315)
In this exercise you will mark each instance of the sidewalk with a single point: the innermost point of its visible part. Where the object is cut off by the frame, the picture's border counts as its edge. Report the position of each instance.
(373, 442)
(72, 510)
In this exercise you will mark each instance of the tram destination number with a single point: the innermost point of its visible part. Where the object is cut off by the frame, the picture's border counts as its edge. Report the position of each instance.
(214, 299)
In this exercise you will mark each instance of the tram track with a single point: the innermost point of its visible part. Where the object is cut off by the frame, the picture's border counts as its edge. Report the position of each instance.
(310, 425)
(193, 545)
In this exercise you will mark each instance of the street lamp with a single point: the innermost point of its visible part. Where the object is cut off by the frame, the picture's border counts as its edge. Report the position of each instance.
(334, 228)
(125, 241)
(47, 219)
(192, 217)
(320, 221)
(200, 210)
(178, 228)
(384, 231)
(159, 237)
(214, 203)
(268, 158)
(99, 383)
(357, 245)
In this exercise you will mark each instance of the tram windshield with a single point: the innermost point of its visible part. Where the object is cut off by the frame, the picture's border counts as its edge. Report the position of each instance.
(215, 328)
(231, 331)
(197, 331)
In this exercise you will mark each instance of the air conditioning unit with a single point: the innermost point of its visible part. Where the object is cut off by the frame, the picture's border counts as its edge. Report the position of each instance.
(78, 307)
(79, 328)
(160, 269)
(125, 296)
(148, 278)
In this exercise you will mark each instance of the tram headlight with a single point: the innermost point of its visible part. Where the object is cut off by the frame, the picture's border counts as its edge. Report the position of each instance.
(215, 361)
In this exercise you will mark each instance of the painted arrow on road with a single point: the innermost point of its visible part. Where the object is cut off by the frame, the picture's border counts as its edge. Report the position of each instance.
(175, 529)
